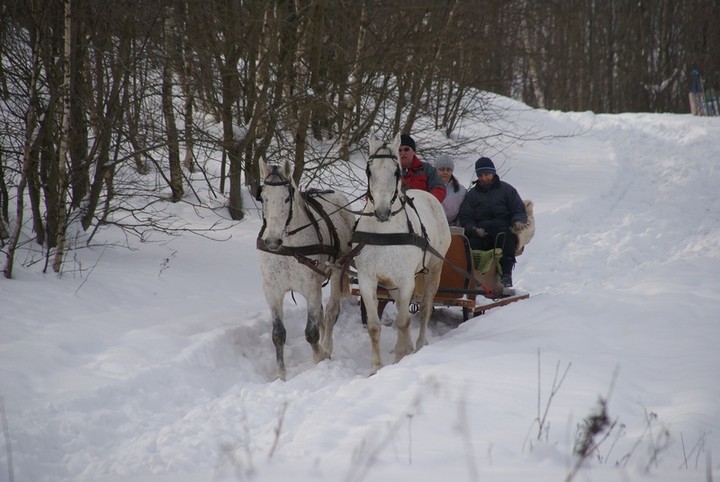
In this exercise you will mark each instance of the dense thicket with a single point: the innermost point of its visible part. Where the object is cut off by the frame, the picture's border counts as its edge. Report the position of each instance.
(104, 103)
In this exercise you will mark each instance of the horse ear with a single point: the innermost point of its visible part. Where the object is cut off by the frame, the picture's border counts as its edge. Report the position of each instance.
(287, 169)
(395, 145)
(374, 141)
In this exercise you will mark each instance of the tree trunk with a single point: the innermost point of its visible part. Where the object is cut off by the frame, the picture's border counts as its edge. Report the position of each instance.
(171, 130)
(4, 200)
(235, 201)
(29, 140)
(231, 145)
(354, 83)
(422, 84)
(531, 56)
(78, 131)
(186, 75)
(108, 112)
(62, 184)
(301, 143)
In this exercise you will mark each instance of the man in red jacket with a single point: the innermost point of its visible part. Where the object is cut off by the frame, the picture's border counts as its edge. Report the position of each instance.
(417, 174)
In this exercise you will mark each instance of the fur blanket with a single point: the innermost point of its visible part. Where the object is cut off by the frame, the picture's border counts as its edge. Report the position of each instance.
(525, 235)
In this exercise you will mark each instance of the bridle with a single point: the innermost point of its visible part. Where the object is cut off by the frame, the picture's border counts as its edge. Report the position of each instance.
(277, 179)
(389, 155)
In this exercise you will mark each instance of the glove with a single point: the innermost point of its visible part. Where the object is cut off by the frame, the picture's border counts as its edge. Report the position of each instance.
(479, 232)
(519, 226)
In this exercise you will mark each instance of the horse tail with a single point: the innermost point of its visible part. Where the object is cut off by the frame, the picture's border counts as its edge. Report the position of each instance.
(344, 284)
(419, 287)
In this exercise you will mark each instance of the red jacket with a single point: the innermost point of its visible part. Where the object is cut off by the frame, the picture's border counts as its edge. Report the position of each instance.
(421, 175)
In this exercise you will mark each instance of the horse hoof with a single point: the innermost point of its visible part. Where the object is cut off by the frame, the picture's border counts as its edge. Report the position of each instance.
(320, 355)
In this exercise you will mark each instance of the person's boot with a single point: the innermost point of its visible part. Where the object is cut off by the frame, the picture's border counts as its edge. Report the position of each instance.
(506, 278)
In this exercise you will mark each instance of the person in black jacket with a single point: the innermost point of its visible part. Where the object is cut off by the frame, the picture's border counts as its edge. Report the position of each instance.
(490, 207)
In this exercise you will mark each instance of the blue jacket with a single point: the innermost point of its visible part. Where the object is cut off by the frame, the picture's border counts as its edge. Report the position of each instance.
(494, 209)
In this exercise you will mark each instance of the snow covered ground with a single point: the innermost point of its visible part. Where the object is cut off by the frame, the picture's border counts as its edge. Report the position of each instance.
(157, 364)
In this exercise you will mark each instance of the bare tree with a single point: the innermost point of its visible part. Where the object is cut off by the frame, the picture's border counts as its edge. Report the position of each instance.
(97, 96)
(30, 139)
(173, 143)
(62, 157)
(352, 100)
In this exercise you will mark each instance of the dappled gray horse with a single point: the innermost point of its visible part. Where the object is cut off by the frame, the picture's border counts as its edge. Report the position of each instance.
(301, 233)
(405, 236)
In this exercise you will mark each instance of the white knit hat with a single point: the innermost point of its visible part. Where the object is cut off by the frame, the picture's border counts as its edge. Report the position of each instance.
(444, 160)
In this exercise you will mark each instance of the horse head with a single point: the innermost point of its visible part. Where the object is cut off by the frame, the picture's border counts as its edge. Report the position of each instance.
(278, 198)
(383, 176)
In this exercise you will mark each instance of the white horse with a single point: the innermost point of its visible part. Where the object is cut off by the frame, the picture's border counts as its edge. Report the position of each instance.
(405, 236)
(301, 233)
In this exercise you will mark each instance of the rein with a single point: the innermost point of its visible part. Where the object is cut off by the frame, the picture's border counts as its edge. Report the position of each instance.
(339, 208)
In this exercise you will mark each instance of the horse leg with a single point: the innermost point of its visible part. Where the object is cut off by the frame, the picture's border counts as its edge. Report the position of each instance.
(332, 311)
(368, 294)
(314, 320)
(431, 282)
(404, 345)
(278, 333)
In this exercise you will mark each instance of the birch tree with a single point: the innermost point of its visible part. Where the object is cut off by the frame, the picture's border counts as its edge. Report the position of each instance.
(62, 159)
(171, 131)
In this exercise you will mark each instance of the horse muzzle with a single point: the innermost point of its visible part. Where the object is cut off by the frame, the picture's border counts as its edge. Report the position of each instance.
(273, 244)
(382, 215)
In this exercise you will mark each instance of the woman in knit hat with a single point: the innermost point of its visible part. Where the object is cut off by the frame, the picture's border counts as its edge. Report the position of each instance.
(455, 192)
(491, 207)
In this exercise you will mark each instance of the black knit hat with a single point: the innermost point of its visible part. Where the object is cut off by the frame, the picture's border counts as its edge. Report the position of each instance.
(484, 164)
(406, 140)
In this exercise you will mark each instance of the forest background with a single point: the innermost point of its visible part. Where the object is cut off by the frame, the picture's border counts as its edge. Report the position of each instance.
(105, 104)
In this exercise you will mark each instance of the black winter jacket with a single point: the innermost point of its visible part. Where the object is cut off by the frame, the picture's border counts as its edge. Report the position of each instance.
(494, 209)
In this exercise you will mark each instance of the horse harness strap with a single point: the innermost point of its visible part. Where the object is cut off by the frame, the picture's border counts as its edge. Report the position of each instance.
(390, 239)
(301, 253)
(309, 250)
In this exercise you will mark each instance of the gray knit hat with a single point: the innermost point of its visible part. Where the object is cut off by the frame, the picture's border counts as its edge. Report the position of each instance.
(444, 160)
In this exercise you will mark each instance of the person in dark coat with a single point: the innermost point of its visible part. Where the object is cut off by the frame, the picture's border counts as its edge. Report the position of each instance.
(490, 207)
